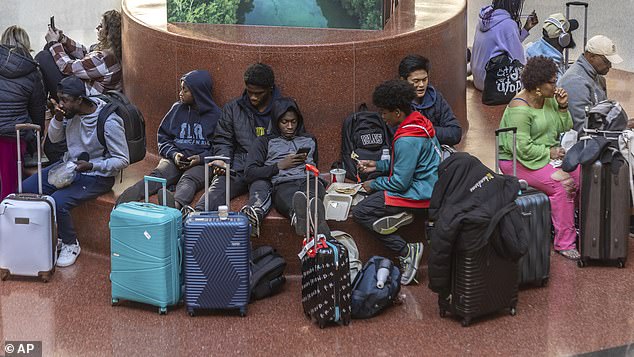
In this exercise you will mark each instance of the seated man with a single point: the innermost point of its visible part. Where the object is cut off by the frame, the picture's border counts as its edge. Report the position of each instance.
(584, 81)
(281, 157)
(429, 101)
(75, 120)
(184, 139)
(556, 36)
(412, 174)
(241, 122)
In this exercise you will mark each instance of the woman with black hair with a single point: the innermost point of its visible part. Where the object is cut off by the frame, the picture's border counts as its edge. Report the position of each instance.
(540, 114)
(498, 32)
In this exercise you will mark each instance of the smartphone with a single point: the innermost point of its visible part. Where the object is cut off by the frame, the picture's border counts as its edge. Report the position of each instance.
(303, 151)
(52, 24)
(222, 170)
(185, 161)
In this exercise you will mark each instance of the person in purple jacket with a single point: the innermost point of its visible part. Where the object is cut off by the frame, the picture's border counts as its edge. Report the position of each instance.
(498, 31)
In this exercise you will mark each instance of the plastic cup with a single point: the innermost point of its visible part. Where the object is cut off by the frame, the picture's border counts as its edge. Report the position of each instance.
(337, 175)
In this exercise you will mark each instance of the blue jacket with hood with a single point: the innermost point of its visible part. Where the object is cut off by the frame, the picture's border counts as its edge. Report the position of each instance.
(188, 129)
(437, 110)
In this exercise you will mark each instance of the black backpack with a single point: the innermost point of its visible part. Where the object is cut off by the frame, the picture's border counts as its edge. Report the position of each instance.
(365, 133)
(133, 123)
(267, 272)
(367, 299)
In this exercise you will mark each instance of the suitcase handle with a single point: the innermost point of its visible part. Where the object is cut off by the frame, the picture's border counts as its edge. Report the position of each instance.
(315, 171)
(497, 148)
(577, 3)
(37, 129)
(162, 181)
(585, 26)
(208, 160)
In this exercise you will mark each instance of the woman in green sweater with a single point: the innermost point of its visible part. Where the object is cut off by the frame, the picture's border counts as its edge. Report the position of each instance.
(540, 114)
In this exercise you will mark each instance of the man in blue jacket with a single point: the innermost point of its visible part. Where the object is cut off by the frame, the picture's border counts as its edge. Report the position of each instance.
(412, 173)
(556, 36)
(429, 101)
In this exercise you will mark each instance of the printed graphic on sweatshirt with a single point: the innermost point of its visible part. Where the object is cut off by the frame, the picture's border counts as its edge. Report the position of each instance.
(190, 136)
(260, 131)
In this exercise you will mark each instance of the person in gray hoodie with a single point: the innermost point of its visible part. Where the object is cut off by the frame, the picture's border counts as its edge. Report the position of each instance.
(584, 80)
(75, 120)
(280, 158)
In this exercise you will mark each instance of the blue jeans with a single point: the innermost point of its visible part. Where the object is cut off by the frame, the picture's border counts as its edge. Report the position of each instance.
(82, 189)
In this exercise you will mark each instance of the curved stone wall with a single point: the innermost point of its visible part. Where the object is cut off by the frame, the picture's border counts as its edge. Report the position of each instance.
(328, 71)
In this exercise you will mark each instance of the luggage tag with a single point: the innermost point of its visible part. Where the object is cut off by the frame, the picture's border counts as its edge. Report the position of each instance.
(306, 249)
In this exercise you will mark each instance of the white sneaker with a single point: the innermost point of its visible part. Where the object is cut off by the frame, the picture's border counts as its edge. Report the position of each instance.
(68, 255)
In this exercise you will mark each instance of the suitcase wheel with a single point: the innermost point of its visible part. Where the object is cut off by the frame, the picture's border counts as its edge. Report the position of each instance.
(513, 311)
(466, 322)
(346, 321)
(46, 277)
(443, 313)
(243, 311)
(322, 324)
(4, 274)
(162, 310)
(621, 263)
(114, 302)
(544, 282)
(191, 313)
(581, 263)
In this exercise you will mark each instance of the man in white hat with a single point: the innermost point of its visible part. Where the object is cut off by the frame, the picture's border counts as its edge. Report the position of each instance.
(584, 80)
(556, 36)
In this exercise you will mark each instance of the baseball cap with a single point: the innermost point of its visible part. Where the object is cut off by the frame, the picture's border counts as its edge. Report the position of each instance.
(601, 45)
(553, 31)
(72, 86)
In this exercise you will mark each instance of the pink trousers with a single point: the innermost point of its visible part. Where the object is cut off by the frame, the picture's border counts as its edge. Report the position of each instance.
(9, 165)
(562, 204)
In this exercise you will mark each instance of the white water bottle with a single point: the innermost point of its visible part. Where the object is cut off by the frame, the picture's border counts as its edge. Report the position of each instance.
(383, 273)
(385, 155)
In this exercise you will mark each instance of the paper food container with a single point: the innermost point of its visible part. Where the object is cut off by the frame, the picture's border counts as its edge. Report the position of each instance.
(337, 206)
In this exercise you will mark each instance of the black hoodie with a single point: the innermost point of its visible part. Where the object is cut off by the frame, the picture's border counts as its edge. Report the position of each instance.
(188, 130)
(22, 98)
(268, 150)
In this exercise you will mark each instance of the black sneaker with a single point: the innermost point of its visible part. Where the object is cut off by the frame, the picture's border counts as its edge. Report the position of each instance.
(298, 218)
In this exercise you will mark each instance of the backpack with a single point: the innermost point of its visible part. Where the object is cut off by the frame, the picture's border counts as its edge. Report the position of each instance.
(502, 80)
(353, 252)
(133, 123)
(365, 133)
(267, 272)
(367, 299)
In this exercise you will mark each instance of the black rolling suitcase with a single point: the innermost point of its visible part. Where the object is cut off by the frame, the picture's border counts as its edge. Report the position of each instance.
(326, 286)
(604, 213)
(534, 267)
(482, 283)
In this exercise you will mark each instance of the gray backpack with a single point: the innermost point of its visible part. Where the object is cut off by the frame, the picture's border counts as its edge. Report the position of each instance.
(353, 252)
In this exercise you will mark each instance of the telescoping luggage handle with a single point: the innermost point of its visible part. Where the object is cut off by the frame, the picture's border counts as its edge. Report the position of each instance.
(585, 25)
(162, 181)
(208, 160)
(312, 243)
(37, 129)
(497, 148)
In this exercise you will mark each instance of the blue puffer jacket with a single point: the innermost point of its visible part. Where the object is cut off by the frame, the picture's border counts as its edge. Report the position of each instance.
(22, 98)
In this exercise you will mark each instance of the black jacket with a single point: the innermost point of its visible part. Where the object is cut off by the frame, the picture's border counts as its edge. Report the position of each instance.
(270, 149)
(438, 111)
(22, 98)
(236, 131)
(463, 206)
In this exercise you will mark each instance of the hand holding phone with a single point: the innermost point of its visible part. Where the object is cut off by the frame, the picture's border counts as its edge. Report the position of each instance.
(304, 150)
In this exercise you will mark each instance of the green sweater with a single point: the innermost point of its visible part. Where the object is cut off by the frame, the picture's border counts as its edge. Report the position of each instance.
(537, 131)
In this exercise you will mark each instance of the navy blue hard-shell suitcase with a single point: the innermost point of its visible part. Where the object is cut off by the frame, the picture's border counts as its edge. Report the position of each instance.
(534, 266)
(217, 255)
(146, 252)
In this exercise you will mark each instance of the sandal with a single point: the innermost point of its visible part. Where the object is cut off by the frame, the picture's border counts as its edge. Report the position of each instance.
(571, 254)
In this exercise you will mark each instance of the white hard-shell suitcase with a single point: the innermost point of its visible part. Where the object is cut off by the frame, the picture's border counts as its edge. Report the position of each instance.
(28, 233)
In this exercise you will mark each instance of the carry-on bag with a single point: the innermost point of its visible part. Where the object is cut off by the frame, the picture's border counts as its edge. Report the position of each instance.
(28, 232)
(534, 267)
(326, 286)
(585, 27)
(376, 287)
(482, 282)
(604, 212)
(146, 252)
(217, 255)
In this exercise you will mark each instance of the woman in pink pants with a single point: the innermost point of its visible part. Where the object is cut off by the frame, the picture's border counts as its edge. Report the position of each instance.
(540, 114)
(22, 100)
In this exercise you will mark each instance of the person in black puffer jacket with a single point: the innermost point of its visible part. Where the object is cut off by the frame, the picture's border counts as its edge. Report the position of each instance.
(22, 100)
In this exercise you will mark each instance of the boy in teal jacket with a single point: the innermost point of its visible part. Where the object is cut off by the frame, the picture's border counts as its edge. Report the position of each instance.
(412, 172)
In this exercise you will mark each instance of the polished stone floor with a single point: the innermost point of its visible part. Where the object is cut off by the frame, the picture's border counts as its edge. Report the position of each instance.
(580, 311)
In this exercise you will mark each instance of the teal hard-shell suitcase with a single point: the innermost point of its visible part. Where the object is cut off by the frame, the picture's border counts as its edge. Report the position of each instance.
(146, 253)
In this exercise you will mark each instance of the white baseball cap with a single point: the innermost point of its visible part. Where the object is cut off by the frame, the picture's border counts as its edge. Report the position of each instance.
(601, 45)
